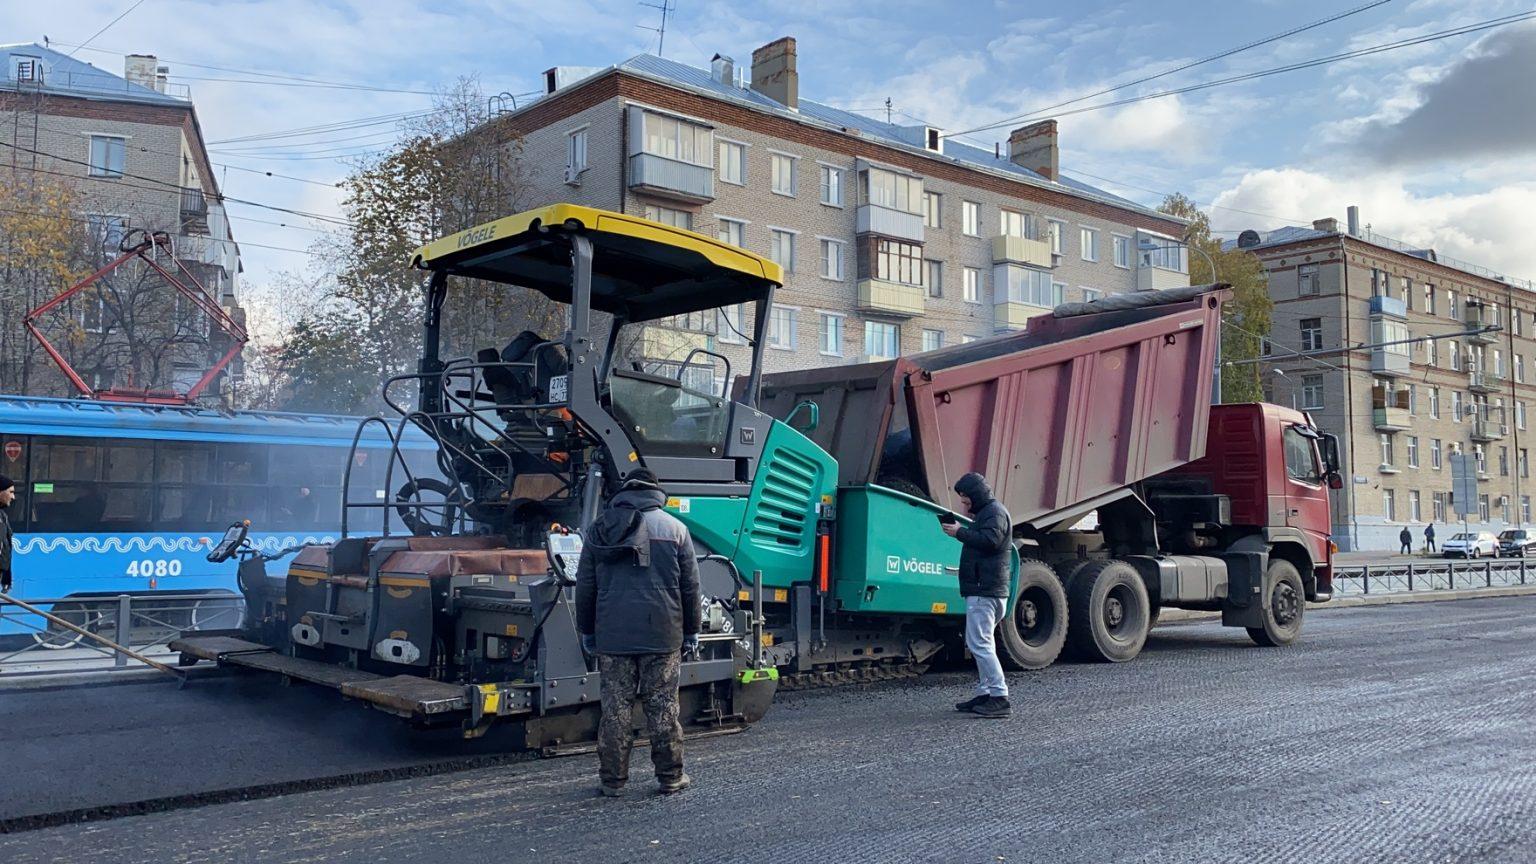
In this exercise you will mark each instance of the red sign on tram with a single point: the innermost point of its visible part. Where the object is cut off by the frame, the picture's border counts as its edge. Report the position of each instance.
(13, 450)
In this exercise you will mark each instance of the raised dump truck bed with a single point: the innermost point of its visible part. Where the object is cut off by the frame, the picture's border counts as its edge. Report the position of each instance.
(1061, 417)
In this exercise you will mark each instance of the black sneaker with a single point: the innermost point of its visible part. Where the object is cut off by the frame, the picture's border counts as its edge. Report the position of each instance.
(995, 706)
(674, 786)
(971, 703)
(607, 791)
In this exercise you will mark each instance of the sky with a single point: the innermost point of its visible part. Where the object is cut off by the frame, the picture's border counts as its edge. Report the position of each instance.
(1435, 142)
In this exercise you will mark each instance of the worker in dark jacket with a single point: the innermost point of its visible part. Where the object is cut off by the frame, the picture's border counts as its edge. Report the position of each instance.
(1405, 542)
(7, 537)
(985, 570)
(637, 608)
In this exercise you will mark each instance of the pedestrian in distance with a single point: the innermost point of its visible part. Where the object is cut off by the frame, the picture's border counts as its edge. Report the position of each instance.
(7, 537)
(985, 568)
(1406, 540)
(1429, 538)
(637, 610)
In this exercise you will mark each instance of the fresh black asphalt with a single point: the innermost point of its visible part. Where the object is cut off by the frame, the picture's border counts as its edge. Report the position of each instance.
(1395, 733)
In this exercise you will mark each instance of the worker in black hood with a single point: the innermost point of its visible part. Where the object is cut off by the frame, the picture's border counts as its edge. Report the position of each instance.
(985, 569)
(637, 609)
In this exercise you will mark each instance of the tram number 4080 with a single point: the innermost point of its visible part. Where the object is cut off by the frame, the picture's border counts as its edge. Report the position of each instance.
(154, 567)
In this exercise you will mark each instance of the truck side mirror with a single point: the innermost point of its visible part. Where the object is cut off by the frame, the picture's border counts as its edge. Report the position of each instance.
(1335, 480)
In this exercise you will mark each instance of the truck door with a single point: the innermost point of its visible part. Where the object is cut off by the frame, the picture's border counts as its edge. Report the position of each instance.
(1306, 495)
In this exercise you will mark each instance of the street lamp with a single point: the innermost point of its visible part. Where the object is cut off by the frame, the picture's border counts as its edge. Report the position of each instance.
(1145, 244)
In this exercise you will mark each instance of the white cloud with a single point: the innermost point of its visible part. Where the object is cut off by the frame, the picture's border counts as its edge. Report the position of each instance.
(1489, 228)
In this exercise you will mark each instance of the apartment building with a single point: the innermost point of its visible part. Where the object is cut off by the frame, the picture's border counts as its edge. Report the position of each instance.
(895, 239)
(131, 148)
(1411, 356)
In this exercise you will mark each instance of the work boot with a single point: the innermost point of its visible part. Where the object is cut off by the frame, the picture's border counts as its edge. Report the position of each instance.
(610, 791)
(971, 703)
(669, 787)
(994, 707)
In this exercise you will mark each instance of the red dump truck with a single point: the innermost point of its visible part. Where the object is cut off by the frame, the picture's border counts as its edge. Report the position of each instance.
(1099, 409)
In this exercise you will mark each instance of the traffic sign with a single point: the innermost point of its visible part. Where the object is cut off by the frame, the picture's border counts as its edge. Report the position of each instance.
(12, 451)
(1464, 484)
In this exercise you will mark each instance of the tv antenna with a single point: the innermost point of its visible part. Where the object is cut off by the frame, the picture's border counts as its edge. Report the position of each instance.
(667, 7)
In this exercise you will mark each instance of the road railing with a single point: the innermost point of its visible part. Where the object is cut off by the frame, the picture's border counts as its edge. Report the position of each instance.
(143, 623)
(1431, 575)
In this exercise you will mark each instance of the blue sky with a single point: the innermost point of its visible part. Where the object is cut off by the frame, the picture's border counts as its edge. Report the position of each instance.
(1434, 142)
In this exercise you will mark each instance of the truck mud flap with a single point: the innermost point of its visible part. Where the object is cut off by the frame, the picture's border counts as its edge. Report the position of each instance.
(1245, 589)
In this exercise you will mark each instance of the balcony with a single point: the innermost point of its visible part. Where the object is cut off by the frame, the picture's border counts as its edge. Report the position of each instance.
(890, 298)
(1488, 430)
(1390, 306)
(1006, 248)
(896, 224)
(1008, 315)
(1150, 278)
(1387, 362)
(1478, 316)
(1389, 409)
(671, 178)
(1484, 382)
(194, 211)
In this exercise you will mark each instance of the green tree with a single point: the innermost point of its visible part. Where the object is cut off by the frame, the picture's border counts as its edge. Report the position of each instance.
(1246, 320)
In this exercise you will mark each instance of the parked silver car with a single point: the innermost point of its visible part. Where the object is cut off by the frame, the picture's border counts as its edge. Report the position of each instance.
(1471, 545)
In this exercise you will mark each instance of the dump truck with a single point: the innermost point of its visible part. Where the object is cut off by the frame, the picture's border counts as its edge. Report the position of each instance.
(812, 497)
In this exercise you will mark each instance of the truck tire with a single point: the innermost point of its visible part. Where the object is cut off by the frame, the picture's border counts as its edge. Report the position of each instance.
(1284, 604)
(1067, 568)
(1108, 612)
(1033, 635)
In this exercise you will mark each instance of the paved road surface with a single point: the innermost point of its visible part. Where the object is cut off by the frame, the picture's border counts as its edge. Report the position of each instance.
(1397, 733)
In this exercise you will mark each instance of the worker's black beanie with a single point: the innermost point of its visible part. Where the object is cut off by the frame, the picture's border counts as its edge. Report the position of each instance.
(642, 478)
(6, 482)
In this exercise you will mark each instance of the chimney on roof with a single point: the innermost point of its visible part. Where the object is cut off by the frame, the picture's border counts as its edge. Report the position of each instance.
(1036, 147)
(723, 70)
(774, 73)
(1327, 226)
(140, 69)
(1354, 220)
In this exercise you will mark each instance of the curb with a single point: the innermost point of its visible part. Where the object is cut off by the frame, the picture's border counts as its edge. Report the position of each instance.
(1186, 616)
(102, 677)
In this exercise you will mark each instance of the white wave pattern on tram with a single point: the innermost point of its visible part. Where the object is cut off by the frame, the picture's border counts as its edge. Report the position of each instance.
(146, 545)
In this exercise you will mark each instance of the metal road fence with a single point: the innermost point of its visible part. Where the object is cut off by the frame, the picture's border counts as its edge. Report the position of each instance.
(145, 624)
(1443, 575)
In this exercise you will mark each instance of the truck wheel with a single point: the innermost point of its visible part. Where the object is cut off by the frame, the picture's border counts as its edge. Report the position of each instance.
(1032, 637)
(1067, 568)
(1284, 603)
(1108, 612)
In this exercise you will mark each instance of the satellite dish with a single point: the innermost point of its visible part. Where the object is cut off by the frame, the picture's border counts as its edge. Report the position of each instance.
(1248, 239)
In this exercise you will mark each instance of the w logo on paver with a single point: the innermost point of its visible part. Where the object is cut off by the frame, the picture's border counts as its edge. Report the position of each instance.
(893, 563)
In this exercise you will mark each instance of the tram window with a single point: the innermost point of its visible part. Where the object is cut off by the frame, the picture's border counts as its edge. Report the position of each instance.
(241, 463)
(127, 462)
(64, 459)
(234, 503)
(90, 507)
(185, 462)
(186, 508)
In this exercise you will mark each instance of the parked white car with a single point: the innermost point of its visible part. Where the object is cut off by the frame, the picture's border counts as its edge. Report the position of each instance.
(1471, 545)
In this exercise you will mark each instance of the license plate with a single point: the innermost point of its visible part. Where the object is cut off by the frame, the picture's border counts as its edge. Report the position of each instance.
(558, 388)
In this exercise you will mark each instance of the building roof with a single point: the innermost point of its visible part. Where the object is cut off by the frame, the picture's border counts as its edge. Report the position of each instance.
(1297, 234)
(65, 76)
(907, 137)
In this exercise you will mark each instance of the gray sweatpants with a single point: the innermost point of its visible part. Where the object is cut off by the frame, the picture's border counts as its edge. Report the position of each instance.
(981, 617)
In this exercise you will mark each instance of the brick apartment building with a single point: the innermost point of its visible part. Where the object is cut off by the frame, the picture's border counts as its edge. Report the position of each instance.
(131, 148)
(895, 239)
(1401, 409)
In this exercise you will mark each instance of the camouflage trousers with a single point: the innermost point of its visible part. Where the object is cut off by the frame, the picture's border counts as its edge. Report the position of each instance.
(652, 679)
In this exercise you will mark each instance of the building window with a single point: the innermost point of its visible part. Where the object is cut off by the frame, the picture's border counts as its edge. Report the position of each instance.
(1389, 505)
(1453, 304)
(1524, 462)
(933, 210)
(882, 341)
(1058, 230)
(1434, 403)
(1519, 318)
(831, 334)
(1455, 406)
(782, 249)
(671, 138)
(106, 234)
(1165, 256)
(1483, 511)
(1311, 334)
(970, 218)
(1519, 365)
(1429, 298)
(1413, 400)
(933, 340)
(733, 162)
(1025, 285)
(1455, 354)
(1412, 451)
(575, 153)
(731, 327)
(832, 259)
(107, 155)
(781, 327)
(898, 262)
(1481, 457)
(1503, 461)
(1122, 251)
(1434, 453)
(668, 216)
(1311, 392)
(893, 191)
(1089, 238)
(1011, 223)
(935, 278)
(1415, 514)
(782, 169)
(1387, 456)
(972, 289)
(1407, 293)
(1306, 279)
(1525, 509)
(1437, 506)
(831, 186)
(733, 231)
(1091, 294)
(1520, 415)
